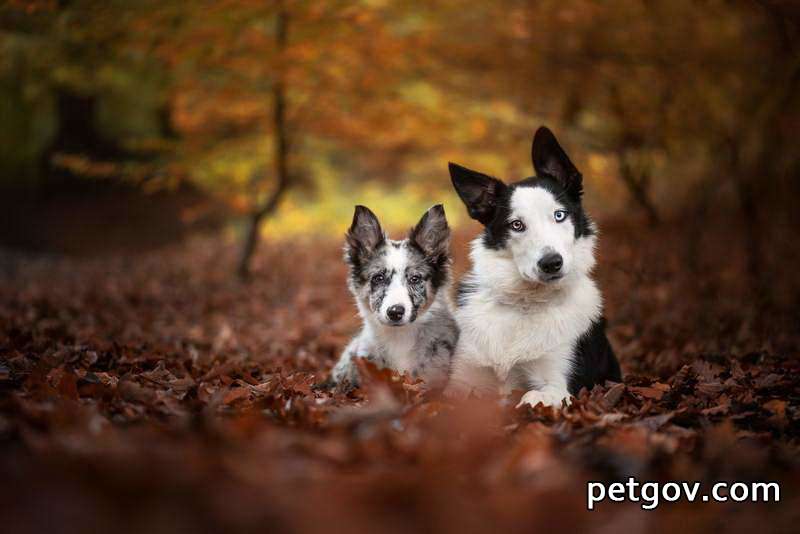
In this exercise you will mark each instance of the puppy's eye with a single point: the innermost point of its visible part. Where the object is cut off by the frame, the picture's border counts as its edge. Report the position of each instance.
(517, 225)
(415, 279)
(378, 278)
(560, 215)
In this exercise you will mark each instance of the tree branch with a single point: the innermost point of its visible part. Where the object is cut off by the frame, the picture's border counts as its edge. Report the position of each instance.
(281, 148)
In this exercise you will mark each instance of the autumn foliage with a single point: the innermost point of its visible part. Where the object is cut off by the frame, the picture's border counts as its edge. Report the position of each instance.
(157, 393)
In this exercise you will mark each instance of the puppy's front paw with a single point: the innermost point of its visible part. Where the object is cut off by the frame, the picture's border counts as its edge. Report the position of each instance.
(326, 385)
(344, 377)
(548, 398)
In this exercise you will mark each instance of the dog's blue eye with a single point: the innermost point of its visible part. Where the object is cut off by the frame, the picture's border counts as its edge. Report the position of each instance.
(415, 279)
(517, 225)
(560, 215)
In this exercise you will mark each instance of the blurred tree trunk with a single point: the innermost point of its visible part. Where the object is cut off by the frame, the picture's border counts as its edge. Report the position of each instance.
(744, 175)
(638, 184)
(281, 142)
(637, 181)
(76, 133)
(165, 124)
(761, 173)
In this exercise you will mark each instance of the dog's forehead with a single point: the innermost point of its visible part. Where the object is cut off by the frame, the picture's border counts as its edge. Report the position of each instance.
(391, 256)
(395, 255)
(532, 201)
(399, 256)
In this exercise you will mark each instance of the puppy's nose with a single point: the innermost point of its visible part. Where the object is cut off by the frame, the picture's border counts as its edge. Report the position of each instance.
(396, 312)
(551, 263)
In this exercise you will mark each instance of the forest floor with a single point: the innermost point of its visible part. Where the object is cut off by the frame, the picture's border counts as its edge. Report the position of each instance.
(156, 393)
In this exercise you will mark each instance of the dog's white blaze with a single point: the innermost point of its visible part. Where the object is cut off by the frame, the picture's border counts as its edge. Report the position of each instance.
(397, 292)
(535, 207)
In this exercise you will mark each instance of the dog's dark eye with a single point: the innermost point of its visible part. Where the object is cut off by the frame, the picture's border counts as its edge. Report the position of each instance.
(378, 278)
(517, 225)
(415, 279)
(560, 215)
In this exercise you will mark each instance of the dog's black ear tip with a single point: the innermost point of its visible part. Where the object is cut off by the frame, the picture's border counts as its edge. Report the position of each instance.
(434, 213)
(363, 211)
(438, 212)
(363, 217)
(543, 141)
(455, 169)
(459, 176)
(358, 211)
(543, 133)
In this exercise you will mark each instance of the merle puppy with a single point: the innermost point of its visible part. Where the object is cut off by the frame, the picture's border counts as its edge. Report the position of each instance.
(401, 290)
(529, 311)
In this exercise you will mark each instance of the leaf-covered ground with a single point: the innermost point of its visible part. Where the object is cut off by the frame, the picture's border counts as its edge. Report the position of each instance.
(155, 393)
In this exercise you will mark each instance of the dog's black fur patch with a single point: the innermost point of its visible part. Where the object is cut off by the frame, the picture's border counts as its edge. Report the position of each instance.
(593, 360)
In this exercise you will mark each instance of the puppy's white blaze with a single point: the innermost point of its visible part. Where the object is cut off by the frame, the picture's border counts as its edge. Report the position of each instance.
(397, 292)
(535, 207)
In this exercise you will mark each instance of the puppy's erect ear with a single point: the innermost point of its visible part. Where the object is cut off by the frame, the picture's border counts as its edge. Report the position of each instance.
(364, 236)
(550, 160)
(478, 191)
(431, 234)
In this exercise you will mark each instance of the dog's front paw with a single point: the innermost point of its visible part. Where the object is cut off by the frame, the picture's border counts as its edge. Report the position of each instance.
(343, 379)
(548, 398)
(326, 385)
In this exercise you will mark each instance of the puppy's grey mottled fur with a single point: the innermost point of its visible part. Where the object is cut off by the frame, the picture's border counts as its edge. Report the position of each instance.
(401, 289)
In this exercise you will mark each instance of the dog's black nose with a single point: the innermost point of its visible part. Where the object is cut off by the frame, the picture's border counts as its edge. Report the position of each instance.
(396, 312)
(551, 263)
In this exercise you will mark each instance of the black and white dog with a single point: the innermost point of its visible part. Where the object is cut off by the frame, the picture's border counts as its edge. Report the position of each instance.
(402, 292)
(529, 312)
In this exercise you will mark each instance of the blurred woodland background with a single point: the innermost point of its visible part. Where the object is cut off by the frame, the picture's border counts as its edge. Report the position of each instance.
(145, 119)
(148, 147)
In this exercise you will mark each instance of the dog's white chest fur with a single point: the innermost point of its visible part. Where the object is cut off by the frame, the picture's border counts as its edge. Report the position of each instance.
(396, 346)
(503, 334)
(514, 334)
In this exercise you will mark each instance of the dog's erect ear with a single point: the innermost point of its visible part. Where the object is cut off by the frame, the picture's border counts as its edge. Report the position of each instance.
(478, 191)
(550, 160)
(431, 233)
(364, 235)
